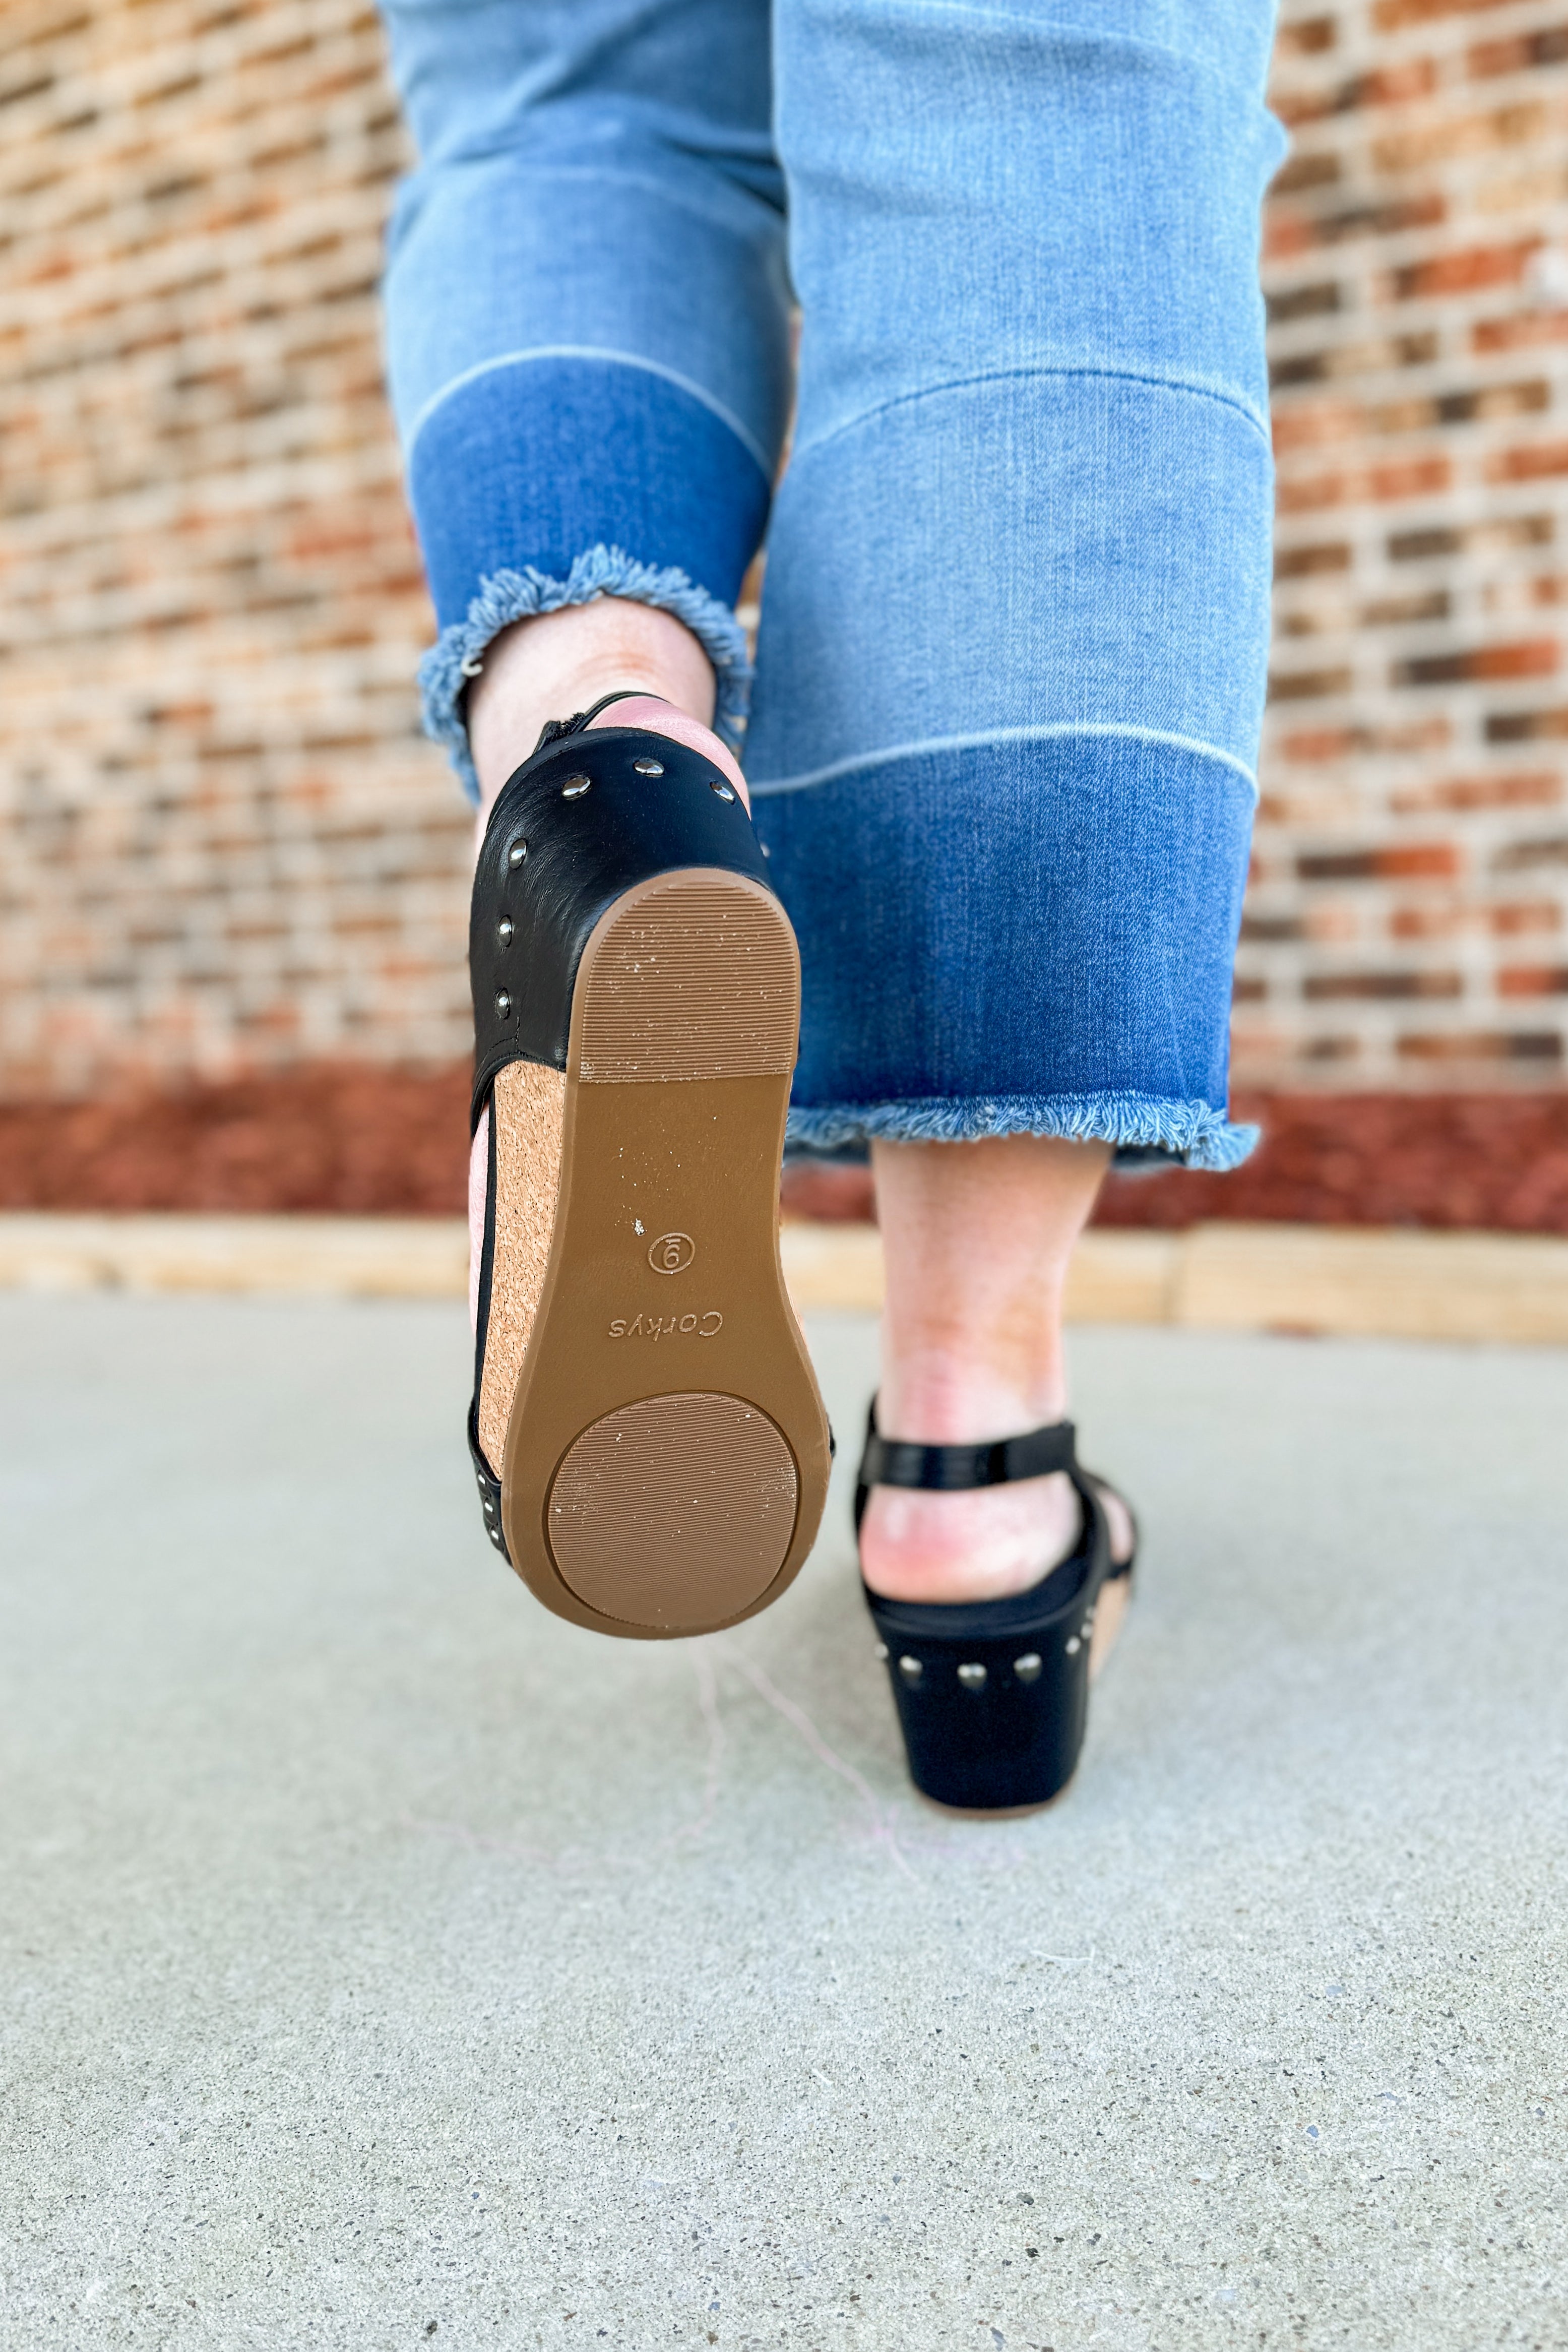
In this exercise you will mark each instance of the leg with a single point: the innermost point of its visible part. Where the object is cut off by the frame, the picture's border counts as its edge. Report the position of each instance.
(545, 668)
(977, 1238)
(587, 327)
(587, 335)
(588, 315)
(1010, 804)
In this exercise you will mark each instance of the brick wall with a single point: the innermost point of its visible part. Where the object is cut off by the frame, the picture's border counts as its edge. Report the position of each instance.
(223, 843)
(1406, 920)
(223, 846)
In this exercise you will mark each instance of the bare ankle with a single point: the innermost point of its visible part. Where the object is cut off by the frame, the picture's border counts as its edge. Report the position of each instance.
(977, 1238)
(973, 1545)
(558, 662)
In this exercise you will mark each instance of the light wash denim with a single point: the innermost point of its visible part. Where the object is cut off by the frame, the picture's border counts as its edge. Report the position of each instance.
(1011, 661)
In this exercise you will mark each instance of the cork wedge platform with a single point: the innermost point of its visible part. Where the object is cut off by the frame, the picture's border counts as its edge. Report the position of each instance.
(650, 1447)
(992, 1696)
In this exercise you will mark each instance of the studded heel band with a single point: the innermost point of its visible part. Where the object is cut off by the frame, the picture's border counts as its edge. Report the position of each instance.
(992, 1696)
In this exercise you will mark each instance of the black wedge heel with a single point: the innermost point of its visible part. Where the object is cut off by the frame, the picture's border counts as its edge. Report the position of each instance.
(993, 1697)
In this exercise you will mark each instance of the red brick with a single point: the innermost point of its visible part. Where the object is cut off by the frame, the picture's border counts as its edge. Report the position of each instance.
(1416, 478)
(1535, 1045)
(1466, 271)
(1531, 465)
(1425, 861)
(1299, 173)
(1527, 726)
(1540, 788)
(1425, 922)
(1514, 921)
(1381, 987)
(1520, 332)
(1304, 685)
(1435, 141)
(1519, 855)
(1538, 658)
(1307, 37)
(1397, 15)
(1299, 563)
(1548, 47)
(1387, 86)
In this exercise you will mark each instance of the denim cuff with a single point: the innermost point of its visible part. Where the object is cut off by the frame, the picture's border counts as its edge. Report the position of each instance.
(1145, 1130)
(456, 657)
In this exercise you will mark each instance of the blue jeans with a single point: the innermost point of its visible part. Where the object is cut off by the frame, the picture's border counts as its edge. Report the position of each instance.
(1010, 668)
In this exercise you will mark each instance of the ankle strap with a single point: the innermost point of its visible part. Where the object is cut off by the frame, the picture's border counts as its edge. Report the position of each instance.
(896, 1462)
(555, 731)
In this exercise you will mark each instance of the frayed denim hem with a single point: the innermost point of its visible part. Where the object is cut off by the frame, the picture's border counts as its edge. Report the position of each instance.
(507, 596)
(1143, 1127)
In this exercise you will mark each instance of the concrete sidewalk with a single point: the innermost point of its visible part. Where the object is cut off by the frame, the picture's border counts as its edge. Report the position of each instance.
(386, 1963)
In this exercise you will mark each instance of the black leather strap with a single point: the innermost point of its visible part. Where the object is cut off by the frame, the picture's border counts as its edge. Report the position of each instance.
(896, 1462)
(556, 731)
(489, 1486)
(591, 813)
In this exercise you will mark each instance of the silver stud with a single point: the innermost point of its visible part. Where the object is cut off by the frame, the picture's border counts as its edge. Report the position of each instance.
(489, 1508)
(725, 792)
(912, 1670)
(1087, 1627)
(517, 852)
(1026, 1668)
(503, 1003)
(575, 786)
(647, 767)
(972, 1677)
(505, 929)
(1074, 1647)
(882, 1649)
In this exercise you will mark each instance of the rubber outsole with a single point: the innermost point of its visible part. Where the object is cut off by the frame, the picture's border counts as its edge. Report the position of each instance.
(666, 1456)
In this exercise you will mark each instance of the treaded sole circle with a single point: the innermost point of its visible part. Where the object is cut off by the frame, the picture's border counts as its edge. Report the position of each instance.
(675, 1512)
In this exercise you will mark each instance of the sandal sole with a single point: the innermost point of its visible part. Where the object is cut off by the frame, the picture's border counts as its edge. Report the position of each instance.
(666, 1456)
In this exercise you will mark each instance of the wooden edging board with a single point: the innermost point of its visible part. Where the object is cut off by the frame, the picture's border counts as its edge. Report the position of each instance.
(1352, 1280)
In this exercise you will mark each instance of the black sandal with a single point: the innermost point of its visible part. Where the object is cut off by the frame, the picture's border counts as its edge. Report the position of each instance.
(650, 1447)
(993, 1696)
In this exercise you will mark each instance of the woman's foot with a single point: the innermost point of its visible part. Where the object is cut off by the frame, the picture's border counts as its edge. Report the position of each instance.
(636, 1001)
(550, 668)
(977, 1238)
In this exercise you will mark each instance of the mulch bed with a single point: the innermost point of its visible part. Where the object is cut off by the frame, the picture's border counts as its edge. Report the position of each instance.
(361, 1142)
(393, 1142)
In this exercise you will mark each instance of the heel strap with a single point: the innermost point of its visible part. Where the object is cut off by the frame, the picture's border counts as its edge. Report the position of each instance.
(896, 1462)
(556, 731)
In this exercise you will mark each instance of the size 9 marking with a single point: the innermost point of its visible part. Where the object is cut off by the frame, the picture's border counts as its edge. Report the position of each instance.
(671, 1253)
